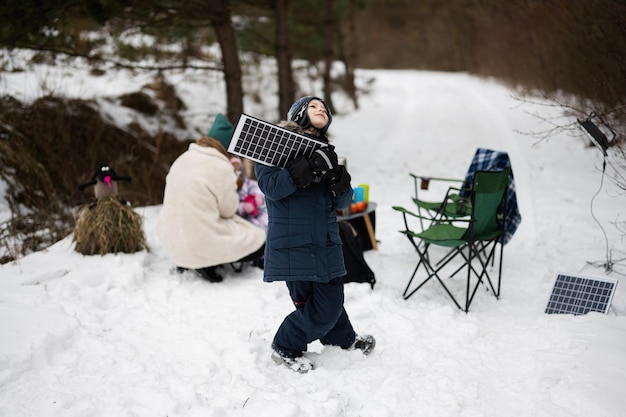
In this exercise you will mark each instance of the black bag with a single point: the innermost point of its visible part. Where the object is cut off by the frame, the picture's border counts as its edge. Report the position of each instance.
(357, 269)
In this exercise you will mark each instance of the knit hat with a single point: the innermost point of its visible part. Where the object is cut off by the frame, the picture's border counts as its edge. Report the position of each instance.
(298, 113)
(221, 130)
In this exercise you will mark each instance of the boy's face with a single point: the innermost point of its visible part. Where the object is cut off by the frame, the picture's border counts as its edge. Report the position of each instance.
(317, 114)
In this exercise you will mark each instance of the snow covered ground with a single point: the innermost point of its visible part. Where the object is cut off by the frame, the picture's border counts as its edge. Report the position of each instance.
(124, 335)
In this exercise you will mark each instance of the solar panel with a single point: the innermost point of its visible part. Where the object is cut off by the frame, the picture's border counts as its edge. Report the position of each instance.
(269, 144)
(577, 294)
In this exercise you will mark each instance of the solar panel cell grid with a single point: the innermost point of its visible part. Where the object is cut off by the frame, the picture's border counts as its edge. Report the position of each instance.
(268, 144)
(580, 295)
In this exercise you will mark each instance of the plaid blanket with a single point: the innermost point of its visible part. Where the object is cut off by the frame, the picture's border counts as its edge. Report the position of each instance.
(489, 160)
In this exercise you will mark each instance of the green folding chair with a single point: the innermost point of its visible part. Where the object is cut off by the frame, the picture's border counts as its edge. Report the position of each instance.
(473, 240)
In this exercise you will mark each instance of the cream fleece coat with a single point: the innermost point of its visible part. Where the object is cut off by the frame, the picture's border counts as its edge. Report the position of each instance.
(197, 225)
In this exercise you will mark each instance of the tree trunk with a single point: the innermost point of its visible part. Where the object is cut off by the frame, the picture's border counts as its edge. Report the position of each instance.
(286, 85)
(329, 31)
(347, 52)
(220, 19)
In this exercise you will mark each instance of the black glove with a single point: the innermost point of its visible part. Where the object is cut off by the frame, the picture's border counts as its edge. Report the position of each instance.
(323, 160)
(341, 182)
(301, 171)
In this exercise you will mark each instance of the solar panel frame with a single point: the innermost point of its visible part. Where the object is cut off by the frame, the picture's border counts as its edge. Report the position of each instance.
(268, 144)
(579, 294)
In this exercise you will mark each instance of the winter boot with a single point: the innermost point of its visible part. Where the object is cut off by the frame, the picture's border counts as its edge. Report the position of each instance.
(365, 343)
(210, 274)
(298, 364)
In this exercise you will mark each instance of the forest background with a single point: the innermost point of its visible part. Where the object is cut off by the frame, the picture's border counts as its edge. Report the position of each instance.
(572, 53)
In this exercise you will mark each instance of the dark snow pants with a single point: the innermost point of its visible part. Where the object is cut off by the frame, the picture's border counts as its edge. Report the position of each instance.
(319, 315)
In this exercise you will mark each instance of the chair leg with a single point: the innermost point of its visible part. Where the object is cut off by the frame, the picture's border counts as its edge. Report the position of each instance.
(404, 294)
(430, 271)
(485, 263)
(416, 246)
(452, 253)
(500, 268)
(484, 274)
(433, 273)
(478, 258)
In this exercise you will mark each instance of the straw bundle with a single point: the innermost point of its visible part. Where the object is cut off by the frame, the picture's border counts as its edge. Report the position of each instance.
(108, 226)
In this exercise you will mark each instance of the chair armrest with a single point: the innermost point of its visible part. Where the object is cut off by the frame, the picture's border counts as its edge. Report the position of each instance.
(461, 204)
(409, 212)
(427, 177)
(451, 205)
(405, 212)
(424, 182)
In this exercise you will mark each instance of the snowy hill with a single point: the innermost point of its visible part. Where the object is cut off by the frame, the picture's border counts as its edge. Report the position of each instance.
(125, 335)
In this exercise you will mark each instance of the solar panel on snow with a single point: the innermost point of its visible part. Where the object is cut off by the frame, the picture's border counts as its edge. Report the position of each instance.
(577, 294)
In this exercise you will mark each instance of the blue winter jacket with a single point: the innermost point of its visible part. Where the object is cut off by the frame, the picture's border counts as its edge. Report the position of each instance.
(303, 241)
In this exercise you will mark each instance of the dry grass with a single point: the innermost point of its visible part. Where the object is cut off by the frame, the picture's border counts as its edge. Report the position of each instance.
(108, 226)
(49, 147)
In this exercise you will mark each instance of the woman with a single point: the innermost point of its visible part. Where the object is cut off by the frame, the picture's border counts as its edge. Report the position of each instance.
(251, 199)
(198, 225)
(303, 246)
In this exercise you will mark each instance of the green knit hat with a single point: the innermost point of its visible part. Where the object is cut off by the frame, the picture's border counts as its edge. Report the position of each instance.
(221, 130)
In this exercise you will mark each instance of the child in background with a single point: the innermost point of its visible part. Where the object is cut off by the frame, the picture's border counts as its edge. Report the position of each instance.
(251, 199)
